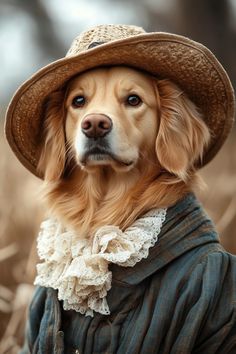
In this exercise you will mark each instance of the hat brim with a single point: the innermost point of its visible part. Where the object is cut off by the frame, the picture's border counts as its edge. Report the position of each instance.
(187, 63)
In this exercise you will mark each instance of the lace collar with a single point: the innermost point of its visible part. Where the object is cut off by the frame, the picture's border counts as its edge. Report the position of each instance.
(79, 270)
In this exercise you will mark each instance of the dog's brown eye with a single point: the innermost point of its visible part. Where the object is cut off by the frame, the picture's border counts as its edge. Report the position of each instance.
(133, 100)
(78, 101)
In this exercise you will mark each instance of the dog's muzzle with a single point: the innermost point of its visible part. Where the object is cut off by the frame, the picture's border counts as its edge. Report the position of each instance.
(96, 125)
(97, 148)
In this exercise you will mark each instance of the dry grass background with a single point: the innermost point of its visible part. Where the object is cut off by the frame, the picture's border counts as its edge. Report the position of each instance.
(19, 220)
(21, 213)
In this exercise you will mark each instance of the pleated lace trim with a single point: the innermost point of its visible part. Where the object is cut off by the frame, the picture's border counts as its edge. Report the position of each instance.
(79, 270)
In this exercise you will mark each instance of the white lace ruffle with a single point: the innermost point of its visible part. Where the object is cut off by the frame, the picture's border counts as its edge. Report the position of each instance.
(79, 269)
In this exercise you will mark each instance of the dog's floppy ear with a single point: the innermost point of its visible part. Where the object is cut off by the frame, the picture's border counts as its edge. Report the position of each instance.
(52, 160)
(182, 133)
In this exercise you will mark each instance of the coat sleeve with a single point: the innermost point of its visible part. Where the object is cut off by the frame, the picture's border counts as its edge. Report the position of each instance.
(217, 333)
(35, 315)
(207, 322)
(43, 335)
(203, 320)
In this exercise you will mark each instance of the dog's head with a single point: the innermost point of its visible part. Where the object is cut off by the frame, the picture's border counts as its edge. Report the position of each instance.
(111, 116)
(120, 117)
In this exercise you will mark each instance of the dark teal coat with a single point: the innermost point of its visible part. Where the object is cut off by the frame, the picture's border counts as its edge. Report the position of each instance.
(181, 299)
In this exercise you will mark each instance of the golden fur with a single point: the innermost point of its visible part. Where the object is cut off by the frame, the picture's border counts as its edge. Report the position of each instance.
(163, 137)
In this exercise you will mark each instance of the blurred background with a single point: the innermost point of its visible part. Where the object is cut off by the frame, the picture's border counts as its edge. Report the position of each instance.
(34, 33)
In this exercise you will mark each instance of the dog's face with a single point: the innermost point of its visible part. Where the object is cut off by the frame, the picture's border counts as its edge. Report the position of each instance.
(121, 118)
(112, 114)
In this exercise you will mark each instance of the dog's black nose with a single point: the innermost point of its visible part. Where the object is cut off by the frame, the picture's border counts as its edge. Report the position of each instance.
(96, 125)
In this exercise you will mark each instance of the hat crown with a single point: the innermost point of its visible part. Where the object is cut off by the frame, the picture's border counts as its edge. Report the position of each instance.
(102, 34)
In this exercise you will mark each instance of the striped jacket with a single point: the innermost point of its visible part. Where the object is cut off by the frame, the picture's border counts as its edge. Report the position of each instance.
(180, 300)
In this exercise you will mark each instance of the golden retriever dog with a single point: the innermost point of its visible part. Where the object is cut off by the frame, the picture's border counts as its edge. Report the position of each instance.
(119, 142)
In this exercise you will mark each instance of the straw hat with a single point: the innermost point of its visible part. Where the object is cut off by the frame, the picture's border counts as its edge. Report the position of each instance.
(187, 63)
